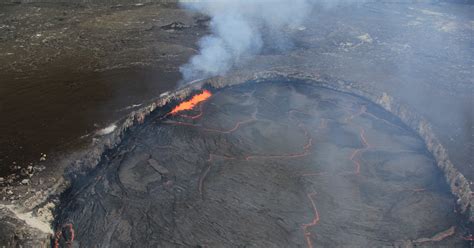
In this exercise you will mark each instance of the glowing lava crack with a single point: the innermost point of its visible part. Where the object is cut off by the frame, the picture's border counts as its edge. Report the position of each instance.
(265, 165)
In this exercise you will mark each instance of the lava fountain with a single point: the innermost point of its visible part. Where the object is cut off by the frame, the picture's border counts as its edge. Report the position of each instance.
(193, 102)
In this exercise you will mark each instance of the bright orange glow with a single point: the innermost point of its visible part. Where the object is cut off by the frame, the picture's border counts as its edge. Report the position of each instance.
(190, 104)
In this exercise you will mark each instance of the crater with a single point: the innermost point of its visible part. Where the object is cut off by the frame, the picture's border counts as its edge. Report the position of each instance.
(273, 164)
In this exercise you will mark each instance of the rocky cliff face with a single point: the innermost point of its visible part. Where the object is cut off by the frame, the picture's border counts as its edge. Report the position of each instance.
(26, 234)
(458, 183)
(245, 162)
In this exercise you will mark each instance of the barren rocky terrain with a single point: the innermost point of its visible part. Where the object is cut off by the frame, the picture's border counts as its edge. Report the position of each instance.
(70, 72)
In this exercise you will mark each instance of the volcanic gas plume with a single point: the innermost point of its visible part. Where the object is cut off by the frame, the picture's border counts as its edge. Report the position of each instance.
(241, 29)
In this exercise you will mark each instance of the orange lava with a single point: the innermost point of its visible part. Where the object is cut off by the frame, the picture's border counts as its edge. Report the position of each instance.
(193, 117)
(190, 104)
(365, 143)
(306, 150)
(59, 234)
(315, 221)
(357, 151)
(470, 237)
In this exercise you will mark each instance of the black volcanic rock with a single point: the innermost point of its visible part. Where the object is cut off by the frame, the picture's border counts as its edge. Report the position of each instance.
(263, 167)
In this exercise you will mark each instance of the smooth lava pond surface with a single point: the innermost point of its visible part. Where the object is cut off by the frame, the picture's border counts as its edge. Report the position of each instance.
(265, 165)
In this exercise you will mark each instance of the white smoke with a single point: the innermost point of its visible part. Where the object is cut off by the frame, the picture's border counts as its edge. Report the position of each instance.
(237, 31)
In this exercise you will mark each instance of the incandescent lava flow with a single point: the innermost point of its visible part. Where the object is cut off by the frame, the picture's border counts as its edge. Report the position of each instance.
(266, 165)
(191, 103)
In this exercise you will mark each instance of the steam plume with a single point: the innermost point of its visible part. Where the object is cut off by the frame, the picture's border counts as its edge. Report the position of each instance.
(237, 31)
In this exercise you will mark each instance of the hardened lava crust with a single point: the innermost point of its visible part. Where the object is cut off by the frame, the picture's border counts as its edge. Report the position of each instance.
(267, 165)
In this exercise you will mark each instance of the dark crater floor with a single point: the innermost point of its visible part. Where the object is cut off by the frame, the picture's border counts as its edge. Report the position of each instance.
(265, 165)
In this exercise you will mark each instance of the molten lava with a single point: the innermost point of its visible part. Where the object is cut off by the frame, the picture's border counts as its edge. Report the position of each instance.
(190, 104)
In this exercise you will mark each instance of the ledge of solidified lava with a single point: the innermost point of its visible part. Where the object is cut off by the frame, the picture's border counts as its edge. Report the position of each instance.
(280, 164)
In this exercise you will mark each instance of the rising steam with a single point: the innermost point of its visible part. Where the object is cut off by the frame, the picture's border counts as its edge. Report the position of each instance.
(237, 31)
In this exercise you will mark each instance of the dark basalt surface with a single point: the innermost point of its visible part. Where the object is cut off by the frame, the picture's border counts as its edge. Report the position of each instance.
(265, 165)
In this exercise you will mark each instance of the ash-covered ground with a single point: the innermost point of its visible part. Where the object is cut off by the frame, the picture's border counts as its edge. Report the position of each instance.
(265, 165)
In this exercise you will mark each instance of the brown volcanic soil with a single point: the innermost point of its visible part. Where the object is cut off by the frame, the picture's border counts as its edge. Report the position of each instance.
(69, 70)
(265, 165)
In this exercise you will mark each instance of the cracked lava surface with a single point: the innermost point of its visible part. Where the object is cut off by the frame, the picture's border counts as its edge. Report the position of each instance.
(265, 165)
